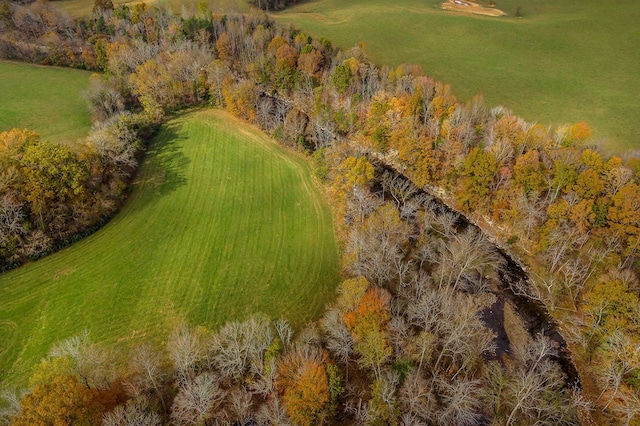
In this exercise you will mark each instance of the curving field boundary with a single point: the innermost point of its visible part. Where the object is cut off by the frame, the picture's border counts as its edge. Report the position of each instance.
(222, 223)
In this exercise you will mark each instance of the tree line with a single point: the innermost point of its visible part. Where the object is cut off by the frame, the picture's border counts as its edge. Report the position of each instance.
(406, 341)
(571, 212)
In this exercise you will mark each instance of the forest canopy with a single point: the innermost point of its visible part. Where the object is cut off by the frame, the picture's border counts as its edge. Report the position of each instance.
(405, 340)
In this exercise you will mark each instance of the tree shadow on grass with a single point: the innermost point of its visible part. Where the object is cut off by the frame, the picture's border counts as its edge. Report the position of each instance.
(165, 162)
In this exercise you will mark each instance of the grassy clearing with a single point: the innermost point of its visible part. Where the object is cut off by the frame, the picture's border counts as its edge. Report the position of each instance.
(222, 223)
(83, 8)
(47, 100)
(561, 62)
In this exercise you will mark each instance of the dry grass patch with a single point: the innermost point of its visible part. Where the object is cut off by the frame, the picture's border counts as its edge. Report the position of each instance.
(466, 6)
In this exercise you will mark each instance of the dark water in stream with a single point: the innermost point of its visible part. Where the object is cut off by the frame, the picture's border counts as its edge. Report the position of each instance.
(533, 314)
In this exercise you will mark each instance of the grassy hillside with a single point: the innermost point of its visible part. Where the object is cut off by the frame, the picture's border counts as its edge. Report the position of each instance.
(46, 100)
(561, 62)
(222, 222)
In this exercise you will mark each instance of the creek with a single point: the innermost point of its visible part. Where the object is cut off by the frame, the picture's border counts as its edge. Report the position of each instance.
(512, 288)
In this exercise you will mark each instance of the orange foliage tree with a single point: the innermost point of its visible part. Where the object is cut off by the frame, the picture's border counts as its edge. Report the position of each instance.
(368, 326)
(63, 401)
(304, 385)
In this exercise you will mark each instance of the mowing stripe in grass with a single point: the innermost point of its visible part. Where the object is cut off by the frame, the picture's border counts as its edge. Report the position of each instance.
(222, 223)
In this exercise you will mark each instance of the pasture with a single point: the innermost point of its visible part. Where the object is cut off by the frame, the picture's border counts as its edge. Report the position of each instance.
(222, 223)
(560, 62)
(82, 8)
(47, 100)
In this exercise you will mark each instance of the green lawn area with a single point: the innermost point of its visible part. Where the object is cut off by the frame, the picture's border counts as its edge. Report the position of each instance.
(222, 222)
(47, 100)
(561, 62)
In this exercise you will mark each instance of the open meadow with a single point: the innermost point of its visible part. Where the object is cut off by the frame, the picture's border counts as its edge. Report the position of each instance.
(47, 100)
(222, 223)
(557, 63)
(560, 62)
(83, 8)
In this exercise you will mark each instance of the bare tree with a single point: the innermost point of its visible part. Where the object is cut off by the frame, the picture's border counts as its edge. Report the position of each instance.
(384, 400)
(377, 244)
(240, 403)
(400, 188)
(115, 145)
(532, 212)
(338, 338)
(463, 337)
(532, 390)
(197, 400)
(562, 239)
(272, 413)
(624, 358)
(9, 405)
(104, 98)
(216, 72)
(361, 203)
(265, 112)
(186, 351)
(459, 401)
(91, 363)
(417, 401)
(12, 218)
(467, 260)
(149, 372)
(135, 412)
(628, 408)
(618, 177)
(239, 346)
(284, 330)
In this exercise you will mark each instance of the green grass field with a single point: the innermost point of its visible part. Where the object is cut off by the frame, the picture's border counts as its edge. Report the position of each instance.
(222, 223)
(561, 62)
(47, 100)
(82, 8)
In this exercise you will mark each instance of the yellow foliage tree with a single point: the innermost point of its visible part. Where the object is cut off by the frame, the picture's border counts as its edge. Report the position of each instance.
(368, 326)
(60, 402)
(624, 215)
(304, 385)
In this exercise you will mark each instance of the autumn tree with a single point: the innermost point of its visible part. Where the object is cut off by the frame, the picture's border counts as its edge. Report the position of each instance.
(151, 83)
(368, 325)
(304, 384)
(54, 176)
(64, 400)
(624, 216)
(480, 168)
(352, 171)
(528, 172)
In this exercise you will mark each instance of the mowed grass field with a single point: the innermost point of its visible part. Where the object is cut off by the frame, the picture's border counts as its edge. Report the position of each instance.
(47, 100)
(561, 62)
(222, 223)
